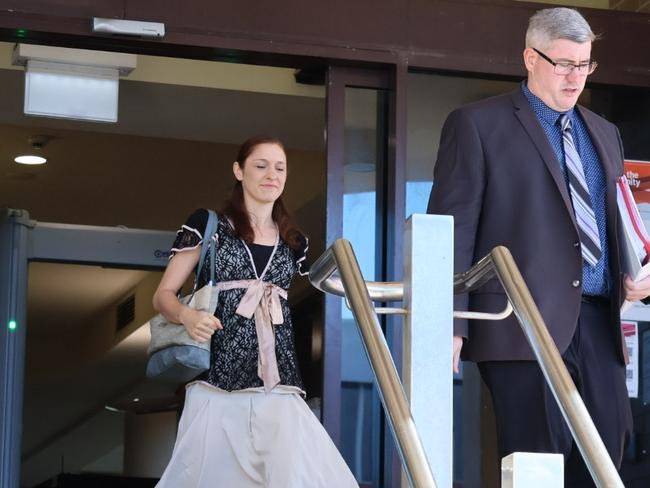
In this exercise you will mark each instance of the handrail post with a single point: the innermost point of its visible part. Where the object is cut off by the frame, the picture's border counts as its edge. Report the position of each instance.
(573, 409)
(428, 330)
(390, 389)
(426, 372)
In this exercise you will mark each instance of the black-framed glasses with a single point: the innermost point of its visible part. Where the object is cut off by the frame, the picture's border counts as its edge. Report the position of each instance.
(564, 68)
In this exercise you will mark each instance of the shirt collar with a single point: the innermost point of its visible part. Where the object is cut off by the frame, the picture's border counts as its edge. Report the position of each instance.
(542, 110)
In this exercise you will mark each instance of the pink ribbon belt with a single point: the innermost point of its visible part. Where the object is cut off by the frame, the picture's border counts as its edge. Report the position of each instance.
(261, 299)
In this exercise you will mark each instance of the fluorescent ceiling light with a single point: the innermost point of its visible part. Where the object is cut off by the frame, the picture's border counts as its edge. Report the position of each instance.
(69, 83)
(30, 159)
(71, 92)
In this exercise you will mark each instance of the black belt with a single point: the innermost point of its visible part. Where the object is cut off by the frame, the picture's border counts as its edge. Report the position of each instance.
(595, 299)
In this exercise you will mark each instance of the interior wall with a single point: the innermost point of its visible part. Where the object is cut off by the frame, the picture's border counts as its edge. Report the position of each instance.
(148, 443)
(138, 182)
(74, 369)
(73, 453)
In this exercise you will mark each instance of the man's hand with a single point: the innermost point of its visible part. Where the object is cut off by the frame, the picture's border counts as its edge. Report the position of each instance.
(458, 345)
(637, 290)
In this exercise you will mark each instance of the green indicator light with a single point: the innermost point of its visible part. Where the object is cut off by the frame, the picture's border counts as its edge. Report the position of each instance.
(12, 325)
(21, 32)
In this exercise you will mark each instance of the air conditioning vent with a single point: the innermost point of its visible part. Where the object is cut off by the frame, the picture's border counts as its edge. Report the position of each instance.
(125, 312)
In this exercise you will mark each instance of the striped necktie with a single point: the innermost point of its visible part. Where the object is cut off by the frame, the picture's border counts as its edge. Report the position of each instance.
(584, 212)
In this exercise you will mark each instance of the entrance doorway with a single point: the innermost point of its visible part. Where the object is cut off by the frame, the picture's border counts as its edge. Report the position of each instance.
(180, 123)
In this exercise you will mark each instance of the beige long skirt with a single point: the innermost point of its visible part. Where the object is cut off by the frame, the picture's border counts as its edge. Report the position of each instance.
(251, 439)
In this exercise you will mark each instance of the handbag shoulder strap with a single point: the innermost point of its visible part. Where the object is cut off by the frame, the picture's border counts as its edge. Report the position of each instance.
(208, 243)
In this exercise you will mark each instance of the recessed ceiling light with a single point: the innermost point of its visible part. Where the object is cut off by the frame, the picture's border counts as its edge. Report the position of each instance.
(30, 159)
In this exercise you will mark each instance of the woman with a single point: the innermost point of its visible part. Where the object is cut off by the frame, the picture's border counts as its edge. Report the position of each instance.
(245, 424)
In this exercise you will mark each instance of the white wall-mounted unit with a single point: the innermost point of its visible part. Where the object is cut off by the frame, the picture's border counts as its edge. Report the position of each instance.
(72, 83)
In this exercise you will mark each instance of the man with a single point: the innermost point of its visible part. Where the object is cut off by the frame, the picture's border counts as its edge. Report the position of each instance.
(532, 171)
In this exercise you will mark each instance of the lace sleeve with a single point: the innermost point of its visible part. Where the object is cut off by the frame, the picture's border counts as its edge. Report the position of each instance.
(190, 235)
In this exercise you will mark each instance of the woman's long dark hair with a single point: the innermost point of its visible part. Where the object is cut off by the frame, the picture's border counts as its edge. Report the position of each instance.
(235, 207)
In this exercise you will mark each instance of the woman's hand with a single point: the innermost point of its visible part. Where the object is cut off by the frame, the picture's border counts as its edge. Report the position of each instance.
(199, 325)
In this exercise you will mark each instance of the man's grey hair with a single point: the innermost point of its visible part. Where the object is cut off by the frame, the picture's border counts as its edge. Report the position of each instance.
(551, 24)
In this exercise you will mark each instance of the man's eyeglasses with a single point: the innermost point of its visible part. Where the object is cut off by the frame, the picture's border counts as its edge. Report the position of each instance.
(564, 68)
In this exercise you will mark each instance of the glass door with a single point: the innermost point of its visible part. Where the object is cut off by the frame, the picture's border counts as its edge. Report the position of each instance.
(358, 107)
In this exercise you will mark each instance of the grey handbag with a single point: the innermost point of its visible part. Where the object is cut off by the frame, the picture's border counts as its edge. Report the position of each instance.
(174, 356)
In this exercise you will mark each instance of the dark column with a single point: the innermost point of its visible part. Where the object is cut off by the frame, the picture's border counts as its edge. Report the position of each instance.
(13, 290)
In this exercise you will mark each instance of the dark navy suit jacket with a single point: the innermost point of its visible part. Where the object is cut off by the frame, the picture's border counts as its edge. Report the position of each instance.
(498, 176)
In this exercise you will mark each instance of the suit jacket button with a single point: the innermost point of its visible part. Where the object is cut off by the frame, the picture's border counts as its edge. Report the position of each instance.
(576, 283)
(576, 244)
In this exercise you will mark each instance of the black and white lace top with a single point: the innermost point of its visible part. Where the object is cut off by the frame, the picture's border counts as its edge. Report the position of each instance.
(234, 349)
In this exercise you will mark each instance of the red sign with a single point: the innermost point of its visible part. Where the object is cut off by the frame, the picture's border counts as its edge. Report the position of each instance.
(638, 176)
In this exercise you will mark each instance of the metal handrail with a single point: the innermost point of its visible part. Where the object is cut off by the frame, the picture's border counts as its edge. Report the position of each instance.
(379, 291)
(341, 256)
(501, 264)
(393, 291)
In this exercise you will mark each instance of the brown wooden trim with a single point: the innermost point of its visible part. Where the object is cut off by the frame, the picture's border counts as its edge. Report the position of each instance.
(335, 126)
(82, 9)
(396, 199)
(397, 168)
(220, 45)
(456, 35)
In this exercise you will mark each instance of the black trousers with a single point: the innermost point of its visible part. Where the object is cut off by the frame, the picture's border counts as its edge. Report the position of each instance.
(527, 416)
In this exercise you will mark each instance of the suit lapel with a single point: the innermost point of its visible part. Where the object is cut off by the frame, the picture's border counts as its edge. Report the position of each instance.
(610, 166)
(528, 119)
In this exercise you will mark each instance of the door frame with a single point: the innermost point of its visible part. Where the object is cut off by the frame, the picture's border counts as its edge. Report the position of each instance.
(392, 80)
(23, 241)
